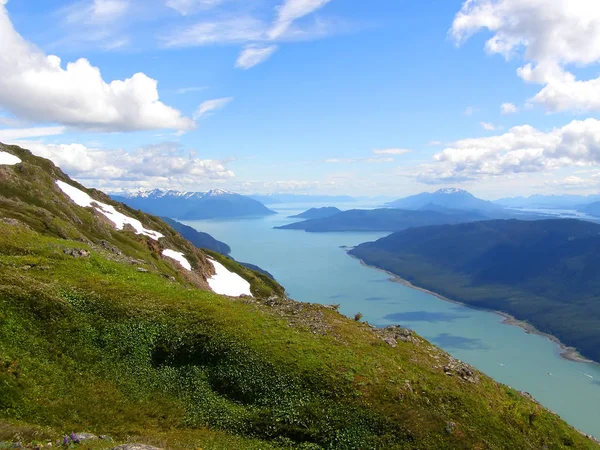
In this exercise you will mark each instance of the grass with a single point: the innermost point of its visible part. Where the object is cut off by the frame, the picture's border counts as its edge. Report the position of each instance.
(125, 353)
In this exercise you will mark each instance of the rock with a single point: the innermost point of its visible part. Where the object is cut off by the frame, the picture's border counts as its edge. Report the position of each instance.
(390, 341)
(26, 267)
(462, 370)
(392, 334)
(80, 437)
(110, 248)
(76, 252)
(142, 270)
(135, 447)
(105, 438)
(450, 426)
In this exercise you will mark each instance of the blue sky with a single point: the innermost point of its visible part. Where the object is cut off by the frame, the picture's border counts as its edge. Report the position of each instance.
(386, 97)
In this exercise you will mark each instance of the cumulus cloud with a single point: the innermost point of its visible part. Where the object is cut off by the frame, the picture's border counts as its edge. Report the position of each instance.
(211, 105)
(552, 35)
(36, 87)
(522, 149)
(253, 55)
(258, 36)
(488, 126)
(161, 165)
(508, 108)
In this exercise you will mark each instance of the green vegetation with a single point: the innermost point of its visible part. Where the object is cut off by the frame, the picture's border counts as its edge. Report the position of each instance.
(545, 272)
(89, 342)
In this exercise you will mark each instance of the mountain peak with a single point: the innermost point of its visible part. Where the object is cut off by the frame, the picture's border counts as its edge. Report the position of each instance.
(450, 191)
(217, 192)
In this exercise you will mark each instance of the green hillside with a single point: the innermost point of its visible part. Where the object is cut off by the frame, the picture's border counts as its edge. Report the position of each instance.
(545, 272)
(99, 333)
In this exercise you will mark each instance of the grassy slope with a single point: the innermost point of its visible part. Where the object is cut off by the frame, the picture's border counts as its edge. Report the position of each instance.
(93, 344)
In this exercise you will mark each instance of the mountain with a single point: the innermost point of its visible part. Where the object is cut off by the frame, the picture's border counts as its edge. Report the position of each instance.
(198, 238)
(273, 199)
(450, 198)
(317, 213)
(544, 272)
(547, 201)
(593, 209)
(112, 324)
(382, 220)
(215, 204)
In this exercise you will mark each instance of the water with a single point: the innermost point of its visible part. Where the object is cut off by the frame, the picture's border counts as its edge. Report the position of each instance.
(314, 268)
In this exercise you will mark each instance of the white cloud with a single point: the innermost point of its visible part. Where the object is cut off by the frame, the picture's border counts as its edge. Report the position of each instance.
(9, 135)
(522, 149)
(36, 87)
(236, 30)
(185, 7)
(253, 55)
(550, 34)
(258, 37)
(488, 126)
(508, 108)
(187, 90)
(434, 143)
(392, 151)
(153, 166)
(211, 105)
(290, 11)
(96, 11)
(356, 160)
(571, 182)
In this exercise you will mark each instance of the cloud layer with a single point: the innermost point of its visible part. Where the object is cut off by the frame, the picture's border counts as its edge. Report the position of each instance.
(522, 149)
(153, 166)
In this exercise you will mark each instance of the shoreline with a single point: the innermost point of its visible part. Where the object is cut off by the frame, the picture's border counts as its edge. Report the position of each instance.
(565, 351)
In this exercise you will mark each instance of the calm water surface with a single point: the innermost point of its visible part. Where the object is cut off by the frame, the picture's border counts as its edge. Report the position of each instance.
(314, 268)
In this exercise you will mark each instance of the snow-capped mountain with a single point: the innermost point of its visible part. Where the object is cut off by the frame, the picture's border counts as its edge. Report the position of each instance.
(216, 203)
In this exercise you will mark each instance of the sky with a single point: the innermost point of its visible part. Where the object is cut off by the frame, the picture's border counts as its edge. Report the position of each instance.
(378, 98)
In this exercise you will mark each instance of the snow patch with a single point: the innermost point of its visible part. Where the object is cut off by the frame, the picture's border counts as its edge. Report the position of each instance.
(119, 219)
(7, 159)
(179, 257)
(226, 282)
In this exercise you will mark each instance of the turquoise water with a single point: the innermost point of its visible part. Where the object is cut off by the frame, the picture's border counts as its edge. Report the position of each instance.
(314, 268)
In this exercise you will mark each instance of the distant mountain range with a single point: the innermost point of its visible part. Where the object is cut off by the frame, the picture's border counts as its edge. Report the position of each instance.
(548, 201)
(272, 199)
(382, 220)
(545, 272)
(450, 198)
(215, 204)
(317, 213)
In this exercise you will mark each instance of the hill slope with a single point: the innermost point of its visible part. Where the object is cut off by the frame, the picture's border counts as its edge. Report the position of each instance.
(381, 220)
(88, 342)
(317, 213)
(216, 204)
(546, 272)
(198, 238)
